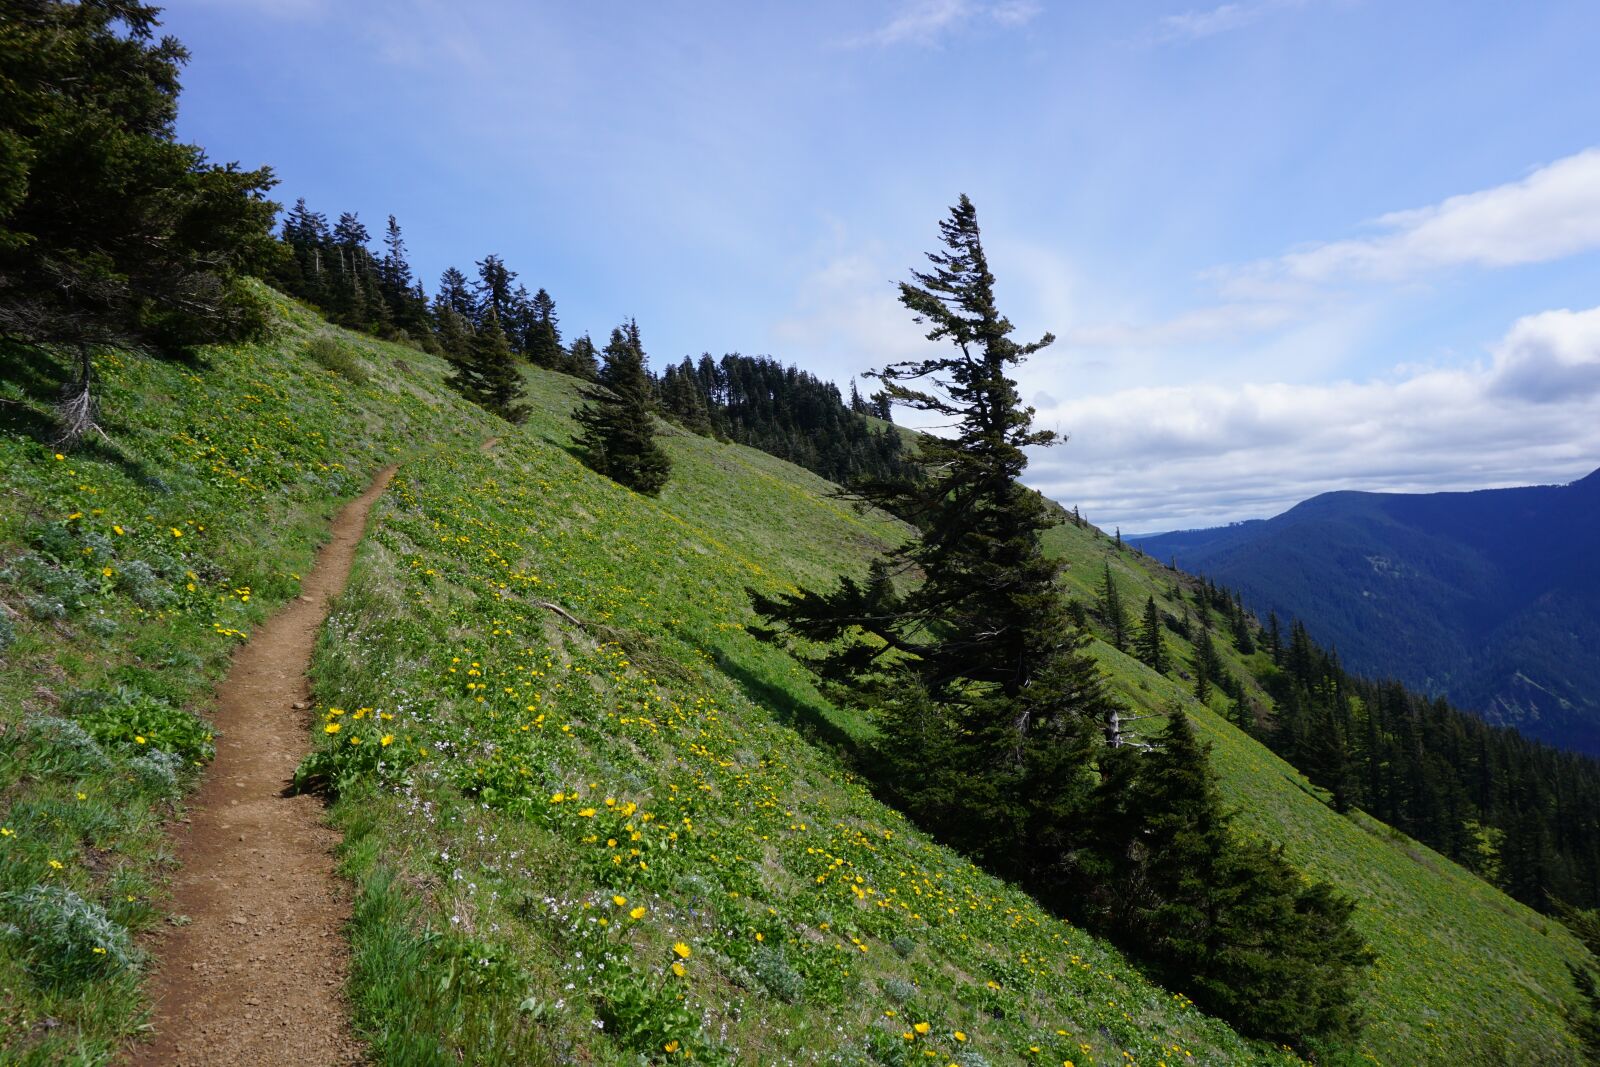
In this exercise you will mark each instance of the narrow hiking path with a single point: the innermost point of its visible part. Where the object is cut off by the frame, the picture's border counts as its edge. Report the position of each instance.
(256, 976)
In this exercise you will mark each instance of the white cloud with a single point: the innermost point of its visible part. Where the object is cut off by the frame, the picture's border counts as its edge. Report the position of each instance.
(1192, 25)
(1552, 213)
(1169, 458)
(1219, 323)
(848, 318)
(924, 22)
(1549, 357)
(286, 9)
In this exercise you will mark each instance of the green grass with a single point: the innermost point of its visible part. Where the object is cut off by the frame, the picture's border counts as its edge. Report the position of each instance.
(1465, 974)
(129, 569)
(698, 771)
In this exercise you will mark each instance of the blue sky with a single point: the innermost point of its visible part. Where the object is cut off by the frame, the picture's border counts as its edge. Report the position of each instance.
(1286, 245)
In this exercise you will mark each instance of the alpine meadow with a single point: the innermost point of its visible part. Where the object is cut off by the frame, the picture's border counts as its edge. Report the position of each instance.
(400, 674)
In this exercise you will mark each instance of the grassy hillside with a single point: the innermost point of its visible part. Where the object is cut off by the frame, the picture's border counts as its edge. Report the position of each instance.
(589, 817)
(1464, 973)
(129, 570)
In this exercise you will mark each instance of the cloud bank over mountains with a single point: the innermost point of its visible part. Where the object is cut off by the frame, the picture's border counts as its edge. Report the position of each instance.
(1189, 456)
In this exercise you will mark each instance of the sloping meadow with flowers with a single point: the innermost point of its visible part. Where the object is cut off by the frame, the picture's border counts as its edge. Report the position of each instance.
(619, 815)
(590, 819)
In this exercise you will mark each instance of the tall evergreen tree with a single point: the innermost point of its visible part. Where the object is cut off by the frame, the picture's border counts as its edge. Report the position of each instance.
(1111, 609)
(1207, 667)
(583, 359)
(494, 288)
(618, 436)
(455, 294)
(1232, 922)
(1152, 649)
(488, 374)
(544, 333)
(981, 677)
(111, 230)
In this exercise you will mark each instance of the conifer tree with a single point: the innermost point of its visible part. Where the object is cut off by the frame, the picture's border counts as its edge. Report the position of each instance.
(111, 230)
(857, 404)
(544, 333)
(1230, 922)
(1241, 631)
(1207, 667)
(582, 359)
(618, 436)
(454, 294)
(488, 374)
(1115, 614)
(1152, 650)
(982, 652)
(494, 288)
(455, 337)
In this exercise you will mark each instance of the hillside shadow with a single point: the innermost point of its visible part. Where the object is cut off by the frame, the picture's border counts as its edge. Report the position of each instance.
(34, 377)
(802, 716)
(39, 378)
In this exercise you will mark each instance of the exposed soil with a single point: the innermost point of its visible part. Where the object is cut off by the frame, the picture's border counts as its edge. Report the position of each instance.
(257, 974)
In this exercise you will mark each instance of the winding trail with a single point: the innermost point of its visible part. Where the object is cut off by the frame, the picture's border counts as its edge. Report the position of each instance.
(256, 977)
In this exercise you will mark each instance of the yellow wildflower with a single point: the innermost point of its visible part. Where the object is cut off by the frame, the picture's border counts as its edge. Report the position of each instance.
(683, 951)
(331, 728)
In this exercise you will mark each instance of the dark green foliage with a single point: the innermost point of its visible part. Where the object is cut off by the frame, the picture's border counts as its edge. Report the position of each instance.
(1152, 649)
(542, 338)
(1230, 921)
(334, 269)
(486, 371)
(618, 436)
(989, 706)
(111, 231)
(990, 711)
(335, 355)
(1242, 640)
(1207, 666)
(1524, 816)
(1112, 611)
(1584, 1017)
(494, 289)
(583, 359)
(786, 412)
(454, 294)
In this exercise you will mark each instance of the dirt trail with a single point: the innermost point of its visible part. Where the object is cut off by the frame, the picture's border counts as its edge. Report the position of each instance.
(257, 976)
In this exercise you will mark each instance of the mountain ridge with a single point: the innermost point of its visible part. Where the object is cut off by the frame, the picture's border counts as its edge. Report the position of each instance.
(1483, 596)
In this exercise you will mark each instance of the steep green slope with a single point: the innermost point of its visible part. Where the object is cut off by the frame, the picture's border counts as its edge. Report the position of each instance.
(1464, 973)
(577, 798)
(814, 924)
(546, 702)
(129, 571)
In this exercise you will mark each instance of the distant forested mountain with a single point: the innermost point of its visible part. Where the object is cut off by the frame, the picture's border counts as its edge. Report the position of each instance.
(1491, 598)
